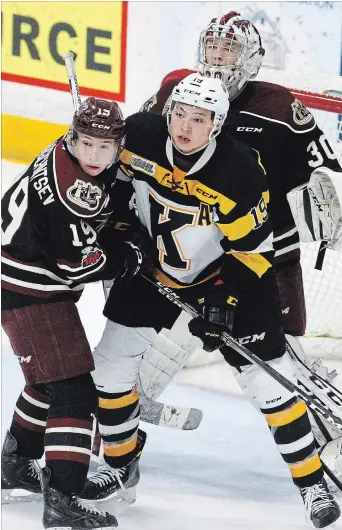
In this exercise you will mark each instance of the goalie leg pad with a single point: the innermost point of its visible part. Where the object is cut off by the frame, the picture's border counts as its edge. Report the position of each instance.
(161, 362)
(118, 356)
(331, 455)
(316, 381)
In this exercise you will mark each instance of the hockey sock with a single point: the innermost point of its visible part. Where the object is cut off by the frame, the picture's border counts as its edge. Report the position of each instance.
(69, 431)
(291, 429)
(118, 417)
(29, 421)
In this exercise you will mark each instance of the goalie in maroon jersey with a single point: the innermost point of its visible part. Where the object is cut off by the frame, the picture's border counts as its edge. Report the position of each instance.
(299, 162)
(51, 219)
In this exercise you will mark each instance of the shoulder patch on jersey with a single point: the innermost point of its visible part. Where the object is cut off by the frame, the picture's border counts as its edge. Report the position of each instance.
(301, 114)
(84, 194)
(275, 103)
(151, 102)
(78, 191)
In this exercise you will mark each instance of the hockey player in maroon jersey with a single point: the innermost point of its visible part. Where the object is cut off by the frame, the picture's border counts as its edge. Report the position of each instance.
(51, 219)
(203, 199)
(296, 156)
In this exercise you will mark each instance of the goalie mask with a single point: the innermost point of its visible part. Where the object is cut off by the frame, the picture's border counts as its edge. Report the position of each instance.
(96, 134)
(230, 49)
(197, 112)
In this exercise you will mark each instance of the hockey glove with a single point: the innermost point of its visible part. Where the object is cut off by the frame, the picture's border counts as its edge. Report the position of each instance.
(140, 255)
(218, 316)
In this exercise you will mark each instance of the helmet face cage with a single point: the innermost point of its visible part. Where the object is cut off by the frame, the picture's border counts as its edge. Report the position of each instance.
(239, 42)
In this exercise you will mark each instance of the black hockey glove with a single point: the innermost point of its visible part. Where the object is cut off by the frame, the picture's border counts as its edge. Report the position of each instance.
(140, 255)
(218, 316)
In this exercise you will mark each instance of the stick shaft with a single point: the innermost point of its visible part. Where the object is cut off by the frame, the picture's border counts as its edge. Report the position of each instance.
(250, 356)
(71, 71)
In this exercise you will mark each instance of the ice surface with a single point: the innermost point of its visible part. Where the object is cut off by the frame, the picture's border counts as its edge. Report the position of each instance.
(225, 475)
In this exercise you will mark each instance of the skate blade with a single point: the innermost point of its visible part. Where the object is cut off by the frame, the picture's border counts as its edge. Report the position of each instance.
(117, 501)
(17, 495)
(125, 498)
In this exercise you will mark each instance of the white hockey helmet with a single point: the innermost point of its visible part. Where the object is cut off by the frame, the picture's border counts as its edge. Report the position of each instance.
(206, 93)
(239, 32)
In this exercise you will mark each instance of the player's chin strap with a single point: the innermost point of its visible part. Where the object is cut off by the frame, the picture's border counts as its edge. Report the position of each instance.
(314, 404)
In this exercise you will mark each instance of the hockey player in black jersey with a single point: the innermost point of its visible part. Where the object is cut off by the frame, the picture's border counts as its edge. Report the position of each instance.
(203, 199)
(51, 219)
(296, 156)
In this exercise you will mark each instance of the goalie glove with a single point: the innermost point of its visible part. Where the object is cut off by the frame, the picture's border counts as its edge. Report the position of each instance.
(316, 209)
(218, 316)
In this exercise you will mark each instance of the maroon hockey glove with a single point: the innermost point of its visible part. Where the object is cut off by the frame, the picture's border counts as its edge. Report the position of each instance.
(218, 316)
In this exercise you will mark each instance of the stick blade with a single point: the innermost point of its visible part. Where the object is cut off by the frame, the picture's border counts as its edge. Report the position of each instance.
(164, 415)
(169, 415)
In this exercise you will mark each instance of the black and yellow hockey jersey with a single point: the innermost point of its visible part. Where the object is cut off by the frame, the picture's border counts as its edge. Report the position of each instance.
(212, 215)
(51, 216)
(268, 118)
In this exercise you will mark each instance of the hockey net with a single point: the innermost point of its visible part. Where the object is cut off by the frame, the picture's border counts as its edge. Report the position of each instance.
(323, 288)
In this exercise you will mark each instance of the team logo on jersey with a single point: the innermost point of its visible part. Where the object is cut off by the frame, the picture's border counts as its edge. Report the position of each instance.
(92, 255)
(301, 115)
(84, 194)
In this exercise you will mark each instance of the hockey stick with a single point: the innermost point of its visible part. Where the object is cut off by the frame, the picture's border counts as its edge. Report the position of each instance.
(242, 350)
(165, 415)
(161, 414)
(330, 397)
(74, 88)
(233, 343)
